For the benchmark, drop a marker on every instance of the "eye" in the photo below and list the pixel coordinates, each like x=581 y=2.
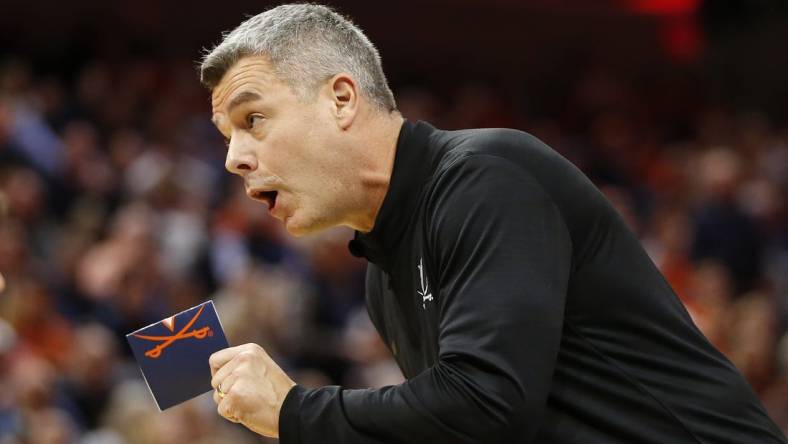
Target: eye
x=253 y=119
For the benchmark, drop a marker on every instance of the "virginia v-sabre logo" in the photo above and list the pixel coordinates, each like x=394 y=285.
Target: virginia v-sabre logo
x=166 y=341
x=425 y=293
x=173 y=353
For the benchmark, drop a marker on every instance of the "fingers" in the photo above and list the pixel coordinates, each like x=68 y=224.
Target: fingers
x=222 y=373
x=226 y=385
x=225 y=409
x=222 y=357
x=233 y=371
x=217 y=398
x=226 y=400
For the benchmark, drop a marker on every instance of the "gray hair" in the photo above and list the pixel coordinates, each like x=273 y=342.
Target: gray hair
x=307 y=44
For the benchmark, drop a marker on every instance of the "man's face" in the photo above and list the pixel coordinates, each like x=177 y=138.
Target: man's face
x=288 y=152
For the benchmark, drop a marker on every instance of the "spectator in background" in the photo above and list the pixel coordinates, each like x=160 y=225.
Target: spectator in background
x=722 y=230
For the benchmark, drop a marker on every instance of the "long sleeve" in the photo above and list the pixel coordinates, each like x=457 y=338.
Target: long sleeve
x=502 y=255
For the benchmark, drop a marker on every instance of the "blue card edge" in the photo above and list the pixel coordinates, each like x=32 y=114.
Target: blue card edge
x=210 y=301
x=155 y=400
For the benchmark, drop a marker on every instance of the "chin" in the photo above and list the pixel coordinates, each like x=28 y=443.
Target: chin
x=298 y=227
x=295 y=232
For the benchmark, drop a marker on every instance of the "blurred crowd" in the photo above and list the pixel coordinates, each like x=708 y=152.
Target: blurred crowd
x=115 y=212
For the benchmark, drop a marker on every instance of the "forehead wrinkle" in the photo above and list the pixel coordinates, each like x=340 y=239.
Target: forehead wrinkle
x=255 y=68
x=242 y=79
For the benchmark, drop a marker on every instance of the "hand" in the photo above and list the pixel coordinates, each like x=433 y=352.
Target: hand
x=249 y=387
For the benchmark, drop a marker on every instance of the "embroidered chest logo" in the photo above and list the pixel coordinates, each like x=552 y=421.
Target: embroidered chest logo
x=425 y=293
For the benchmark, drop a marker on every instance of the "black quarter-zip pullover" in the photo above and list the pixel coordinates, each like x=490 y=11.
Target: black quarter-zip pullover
x=521 y=309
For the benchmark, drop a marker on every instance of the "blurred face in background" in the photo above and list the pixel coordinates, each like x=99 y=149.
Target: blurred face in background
x=290 y=152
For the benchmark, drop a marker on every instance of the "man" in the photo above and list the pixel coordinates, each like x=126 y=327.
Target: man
x=513 y=297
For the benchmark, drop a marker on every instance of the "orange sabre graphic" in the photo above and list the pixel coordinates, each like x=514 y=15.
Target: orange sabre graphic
x=166 y=341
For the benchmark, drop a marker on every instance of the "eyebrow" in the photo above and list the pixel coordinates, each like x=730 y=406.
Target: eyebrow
x=241 y=98
x=238 y=100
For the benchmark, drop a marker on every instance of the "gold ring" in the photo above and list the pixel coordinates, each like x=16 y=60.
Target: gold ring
x=221 y=393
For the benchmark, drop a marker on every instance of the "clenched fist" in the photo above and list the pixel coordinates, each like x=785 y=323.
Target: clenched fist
x=249 y=387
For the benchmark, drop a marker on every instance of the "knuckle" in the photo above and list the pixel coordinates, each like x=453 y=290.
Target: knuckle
x=231 y=396
x=252 y=349
x=226 y=406
x=238 y=385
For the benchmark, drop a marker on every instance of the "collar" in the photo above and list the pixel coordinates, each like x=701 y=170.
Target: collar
x=414 y=163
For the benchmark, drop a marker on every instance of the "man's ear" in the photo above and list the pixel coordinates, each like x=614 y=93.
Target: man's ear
x=344 y=93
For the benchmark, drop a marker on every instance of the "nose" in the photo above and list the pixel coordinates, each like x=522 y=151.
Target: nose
x=240 y=162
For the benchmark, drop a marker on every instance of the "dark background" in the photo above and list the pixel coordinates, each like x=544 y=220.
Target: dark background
x=732 y=51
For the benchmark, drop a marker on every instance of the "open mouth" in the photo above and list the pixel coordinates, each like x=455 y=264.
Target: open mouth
x=269 y=197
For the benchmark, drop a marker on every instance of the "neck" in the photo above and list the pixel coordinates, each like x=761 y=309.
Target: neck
x=380 y=146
